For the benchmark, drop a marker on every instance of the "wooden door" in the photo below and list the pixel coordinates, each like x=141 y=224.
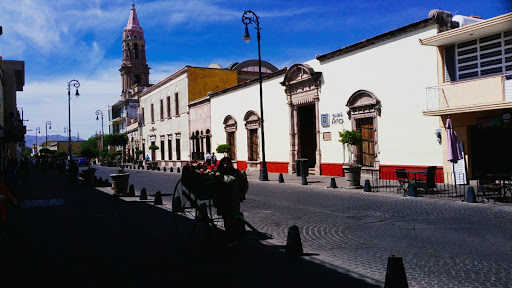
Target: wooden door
x=366 y=150
x=253 y=145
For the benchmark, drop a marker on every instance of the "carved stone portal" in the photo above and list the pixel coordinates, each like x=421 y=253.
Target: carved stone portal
x=302 y=87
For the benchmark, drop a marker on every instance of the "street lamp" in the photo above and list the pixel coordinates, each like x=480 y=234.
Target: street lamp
x=99 y=112
x=248 y=18
x=75 y=84
x=38 y=130
x=65 y=129
x=48 y=123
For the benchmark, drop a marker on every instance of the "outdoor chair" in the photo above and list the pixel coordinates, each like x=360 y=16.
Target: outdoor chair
x=428 y=184
x=488 y=188
x=403 y=180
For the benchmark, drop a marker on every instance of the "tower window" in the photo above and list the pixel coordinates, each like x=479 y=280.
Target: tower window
x=135 y=50
x=136 y=79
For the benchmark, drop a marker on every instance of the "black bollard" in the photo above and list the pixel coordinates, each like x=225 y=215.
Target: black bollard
x=411 y=190
x=178 y=170
x=304 y=180
x=333 y=184
x=143 y=194
x=165 y=169
x=470 y=195
x=157 y=168
x=131 y=191
x=158 y=198
x=395 y=273
x=147 y=167
x=170 y=169
x=293 y=242
x=367 y=186
x=281 y=178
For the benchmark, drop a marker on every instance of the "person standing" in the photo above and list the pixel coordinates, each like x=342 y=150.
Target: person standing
x=231 y=187
x=214 y=159
x=208 y=159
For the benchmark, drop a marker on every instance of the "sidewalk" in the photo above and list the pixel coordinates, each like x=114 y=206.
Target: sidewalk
x=91 y=239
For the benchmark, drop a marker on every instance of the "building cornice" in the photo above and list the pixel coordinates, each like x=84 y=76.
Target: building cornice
x=475 y=30
x=377 y=39
x=249 y=83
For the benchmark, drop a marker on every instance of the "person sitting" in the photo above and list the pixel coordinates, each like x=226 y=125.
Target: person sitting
x=231 y=187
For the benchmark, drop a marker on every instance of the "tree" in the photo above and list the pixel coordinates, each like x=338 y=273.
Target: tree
x=153 y=147
x=223 y=148
x=117 y=140
x=90 y=144
x=90 y=153
x=351 y=137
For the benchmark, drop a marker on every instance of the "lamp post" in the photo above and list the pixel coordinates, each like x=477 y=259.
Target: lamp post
x=65 y=129
x=38 y=130
x=48 y=123
x=247 y=18
x=99 y=112
x=75 y=84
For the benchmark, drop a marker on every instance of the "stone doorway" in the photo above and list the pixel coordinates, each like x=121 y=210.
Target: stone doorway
x=307 y=136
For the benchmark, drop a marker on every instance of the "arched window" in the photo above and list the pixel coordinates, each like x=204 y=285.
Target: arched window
x=230 y=128
x=135 y=50
x=252 y=124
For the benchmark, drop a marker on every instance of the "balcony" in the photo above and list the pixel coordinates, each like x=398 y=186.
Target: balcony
x=487 y=93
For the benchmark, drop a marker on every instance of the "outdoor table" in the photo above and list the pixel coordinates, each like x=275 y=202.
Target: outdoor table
x=505 y=181
x=417 y=174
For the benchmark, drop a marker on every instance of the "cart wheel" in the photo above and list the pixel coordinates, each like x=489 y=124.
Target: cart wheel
x=180 y=203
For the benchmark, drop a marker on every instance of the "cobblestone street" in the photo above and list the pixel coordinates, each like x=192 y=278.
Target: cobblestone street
x=443 y=242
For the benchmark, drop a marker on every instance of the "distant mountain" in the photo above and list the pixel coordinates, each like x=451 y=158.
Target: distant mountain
x=31 y=140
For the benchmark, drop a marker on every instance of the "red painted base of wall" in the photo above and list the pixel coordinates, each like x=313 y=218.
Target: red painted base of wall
x=332 y=169
x=387 y=172
x=277 y=167
x=241 y=165
x=272 y=167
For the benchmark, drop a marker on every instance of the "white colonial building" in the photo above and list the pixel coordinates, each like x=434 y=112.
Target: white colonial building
x=376 y=86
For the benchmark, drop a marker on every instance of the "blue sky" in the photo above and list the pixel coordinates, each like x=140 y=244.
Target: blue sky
x=61 y=40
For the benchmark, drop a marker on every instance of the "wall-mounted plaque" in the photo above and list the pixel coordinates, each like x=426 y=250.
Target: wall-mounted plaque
x=326 y=136
x=324 y=119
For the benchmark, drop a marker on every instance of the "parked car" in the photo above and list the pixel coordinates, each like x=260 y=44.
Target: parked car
x=83 y=161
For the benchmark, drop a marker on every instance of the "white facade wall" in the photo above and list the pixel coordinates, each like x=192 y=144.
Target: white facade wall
x=396 y=72
x=243 y=100
x=177 y=124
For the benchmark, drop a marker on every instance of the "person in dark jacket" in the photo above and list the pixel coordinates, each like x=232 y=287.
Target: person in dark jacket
x=232 y=186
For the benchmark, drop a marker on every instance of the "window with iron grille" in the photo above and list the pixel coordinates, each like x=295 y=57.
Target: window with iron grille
x=142 y=116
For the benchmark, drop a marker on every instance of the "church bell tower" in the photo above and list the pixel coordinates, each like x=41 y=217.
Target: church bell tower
x=134 y=69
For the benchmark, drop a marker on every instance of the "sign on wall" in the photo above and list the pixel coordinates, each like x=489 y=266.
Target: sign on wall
x=337 y=118
x=324 y=119
x=326 y=136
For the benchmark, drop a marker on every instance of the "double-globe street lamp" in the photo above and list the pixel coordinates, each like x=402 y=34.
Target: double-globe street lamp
x=75 y=84
x=247 y=18
x=48 y=123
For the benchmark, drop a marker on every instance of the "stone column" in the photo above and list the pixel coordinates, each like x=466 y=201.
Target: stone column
x=317 y=127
